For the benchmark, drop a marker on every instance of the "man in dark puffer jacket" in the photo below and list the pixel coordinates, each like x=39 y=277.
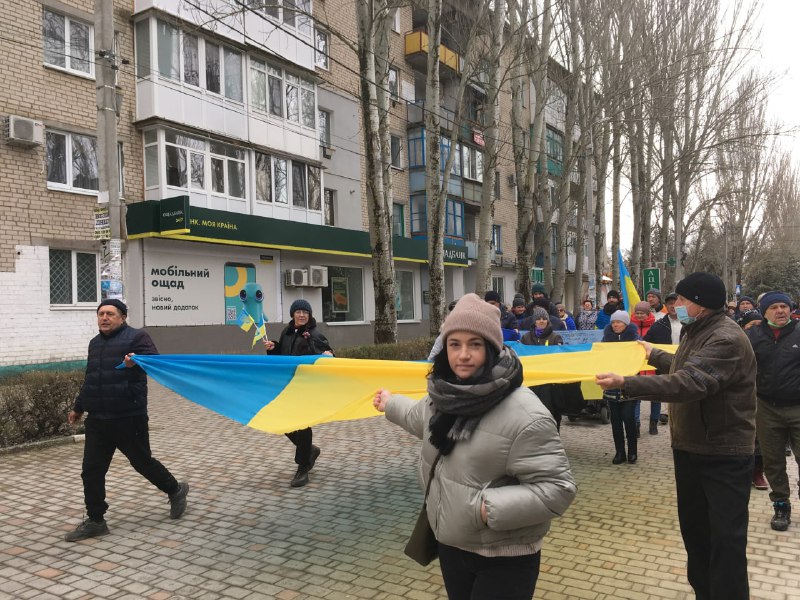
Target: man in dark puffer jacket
x=116 y=400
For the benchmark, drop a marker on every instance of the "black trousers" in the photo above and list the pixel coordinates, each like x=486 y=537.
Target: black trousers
x=129 y=435
x=713 y=493
x=470 y=576
x=623 y=425
x=302 y=441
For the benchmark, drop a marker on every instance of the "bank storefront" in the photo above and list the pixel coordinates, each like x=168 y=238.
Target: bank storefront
x=186 y=265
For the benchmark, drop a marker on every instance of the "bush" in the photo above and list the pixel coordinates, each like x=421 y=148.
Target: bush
x=35 y=405
x=416 y=349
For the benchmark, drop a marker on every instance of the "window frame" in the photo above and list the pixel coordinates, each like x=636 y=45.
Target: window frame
x=393 y=88
x=396 y=158
x=68 y=57
x=398 y=295
x=398 y=208
x=322 y=58
x=497 y=239
x=329 y=207
x=68 y=164
x=328 y=291
x=74 y=280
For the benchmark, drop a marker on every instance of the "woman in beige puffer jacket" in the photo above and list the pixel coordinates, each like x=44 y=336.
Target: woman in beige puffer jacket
x=503 y=473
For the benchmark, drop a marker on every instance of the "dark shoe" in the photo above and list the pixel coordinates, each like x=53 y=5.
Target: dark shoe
x=653 y=427
x=783 y=516
x=632 y=458
x=759 y=481
x=301 y=477
x=788 y=450
x=177 y=501
x=619 y=458
x=315 y=451
x=87 y=529
x=663 y=419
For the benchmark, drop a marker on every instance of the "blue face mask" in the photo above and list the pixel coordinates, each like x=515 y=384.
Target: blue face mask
x=683 y=315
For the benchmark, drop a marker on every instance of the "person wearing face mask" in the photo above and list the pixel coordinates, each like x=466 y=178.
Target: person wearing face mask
x=710 y=382
x=301 y=337
x=491 y=455
x=775 y=342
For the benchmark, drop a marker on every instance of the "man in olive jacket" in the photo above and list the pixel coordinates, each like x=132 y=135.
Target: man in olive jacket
x=116 y=400
x=710 y=382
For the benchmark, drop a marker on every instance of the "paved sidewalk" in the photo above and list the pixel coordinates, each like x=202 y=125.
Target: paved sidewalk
x=247 y=535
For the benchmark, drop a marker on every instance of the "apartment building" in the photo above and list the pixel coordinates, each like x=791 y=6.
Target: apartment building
x=241 y=160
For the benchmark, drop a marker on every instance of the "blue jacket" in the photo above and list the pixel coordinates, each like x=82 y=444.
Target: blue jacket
x=631 y=334
x=108 y=392
x=778 y=377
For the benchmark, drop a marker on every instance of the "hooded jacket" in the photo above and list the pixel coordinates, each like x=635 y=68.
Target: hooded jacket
x=778 y=361
x=631 y=334
x=548 y=338
x=108 y=392
x=711 y=383
x=604 y=314
x=514 y=462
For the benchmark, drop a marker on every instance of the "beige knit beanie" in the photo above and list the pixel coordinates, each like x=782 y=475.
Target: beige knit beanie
x=476 y=316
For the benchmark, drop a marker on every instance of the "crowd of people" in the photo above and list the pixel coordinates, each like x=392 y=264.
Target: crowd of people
x=492 y=459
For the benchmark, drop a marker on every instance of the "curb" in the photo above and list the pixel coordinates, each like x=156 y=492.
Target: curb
x=59 y=441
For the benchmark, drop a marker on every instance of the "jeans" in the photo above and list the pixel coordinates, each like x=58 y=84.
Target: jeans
x=623 y=424
x=470 y=576
x=713 y=493
x=655 y=411
x=129 y=435
x=302 y=441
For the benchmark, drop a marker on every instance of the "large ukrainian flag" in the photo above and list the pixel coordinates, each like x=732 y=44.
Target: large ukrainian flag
x=279 y=394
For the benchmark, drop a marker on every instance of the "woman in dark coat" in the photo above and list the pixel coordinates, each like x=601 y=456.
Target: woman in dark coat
x=301 y=338
x=623 y=412
x=542 y=334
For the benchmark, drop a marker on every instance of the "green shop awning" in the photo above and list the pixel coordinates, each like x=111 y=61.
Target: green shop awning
x=174 y=218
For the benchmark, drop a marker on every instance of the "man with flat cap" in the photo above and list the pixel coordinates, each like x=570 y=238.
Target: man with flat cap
x=711 y=383
x=116 y=401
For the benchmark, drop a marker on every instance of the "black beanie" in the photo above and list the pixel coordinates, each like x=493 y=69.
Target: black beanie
x=300 y=304
x=116 y=303
x=704 y=289
x=613 y=294
x=491 y=296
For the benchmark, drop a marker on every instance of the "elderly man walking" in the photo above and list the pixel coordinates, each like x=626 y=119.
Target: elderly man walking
x=710 y=382
x=776 y=343
x=116 y=400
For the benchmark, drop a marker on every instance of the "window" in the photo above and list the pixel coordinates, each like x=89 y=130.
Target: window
x=281 y=182
x=233 y=74
x=121 y=169
x=275 y=82
x=499 y=286
x=168 y=50
x=393 y=83
x=343 y=299
x=191 y=60
x=143 y=68
x=396 y=148
x=73 y=278
x=497 y=185
x=289 y=12
x=404 y=296
x=151 y=169
x=454 y=218
x=497 y=240
x=258 y=84
x=419 y=214
x=329 y=207
x=398 y=228
x=68 y=44
x=472 y=163
x=322 y=41
x=212 y=68
x=555 y=145
x=324 y=128
x=298 y=185
x=263 y=177
x=72 y=162
x=396 y=21
x=416 y=148
x=228 y=170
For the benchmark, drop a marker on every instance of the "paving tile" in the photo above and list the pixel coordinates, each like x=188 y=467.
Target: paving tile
x=247 y=535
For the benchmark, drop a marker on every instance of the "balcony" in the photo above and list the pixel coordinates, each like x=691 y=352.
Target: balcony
x=417 y=53
x=416 y=115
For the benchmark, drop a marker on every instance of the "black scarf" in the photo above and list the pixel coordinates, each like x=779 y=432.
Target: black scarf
x=459 y=405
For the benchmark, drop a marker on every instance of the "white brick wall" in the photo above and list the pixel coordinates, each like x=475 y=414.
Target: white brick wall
x=30 y=332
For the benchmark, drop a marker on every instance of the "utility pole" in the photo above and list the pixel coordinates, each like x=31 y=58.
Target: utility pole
x=111 y=279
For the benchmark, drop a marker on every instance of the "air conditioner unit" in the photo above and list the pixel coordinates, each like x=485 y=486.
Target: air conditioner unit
x=327 y=151
x=295 y=278
x=318 y=276
x=21 y=131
